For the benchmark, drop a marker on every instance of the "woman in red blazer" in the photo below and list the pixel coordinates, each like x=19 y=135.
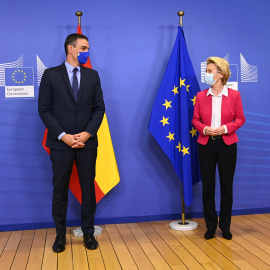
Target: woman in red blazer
x=218 y=113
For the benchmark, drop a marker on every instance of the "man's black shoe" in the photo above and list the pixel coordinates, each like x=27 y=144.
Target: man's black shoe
x=209 y=234
x=227 y=235
x=59 y=244
x=90 y=242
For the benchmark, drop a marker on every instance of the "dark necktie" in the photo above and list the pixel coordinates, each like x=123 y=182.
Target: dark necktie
x=75 y=86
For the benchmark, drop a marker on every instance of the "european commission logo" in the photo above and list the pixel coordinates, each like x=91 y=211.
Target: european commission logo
x=19 y=82
x=248 y=73
x=17 y=79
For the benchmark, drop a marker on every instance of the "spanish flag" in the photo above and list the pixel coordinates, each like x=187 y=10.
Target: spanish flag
x=107 y=175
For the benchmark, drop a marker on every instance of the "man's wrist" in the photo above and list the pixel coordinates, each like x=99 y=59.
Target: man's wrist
x=90 y=136
x=61 y=135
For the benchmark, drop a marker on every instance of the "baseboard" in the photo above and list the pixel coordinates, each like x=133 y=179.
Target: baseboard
x=130 y=219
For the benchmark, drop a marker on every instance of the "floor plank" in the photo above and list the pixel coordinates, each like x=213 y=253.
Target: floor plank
x=95 y=259
x=148 y=245
x=4 y=236
x=251 y=243
x=258 y=224
x=10 y=250
x=161 y=246
x=49 y=258
x=37 y=250
x=120 y=248
x=229 y=253
x=215 y=255
x=185 y=238
x=65 y=259
x=80 y=259
x=23 y=251
x=211 y=265
x=254 y=229
x=149 y=249
x=134 y=248
x=234 y=245
x=109 y=256
x=264 y=217
x=188 y=260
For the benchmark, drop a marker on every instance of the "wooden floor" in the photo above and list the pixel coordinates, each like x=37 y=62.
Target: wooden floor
x=150 y=245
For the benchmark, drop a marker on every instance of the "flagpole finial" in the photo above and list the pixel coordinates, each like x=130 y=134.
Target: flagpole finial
x=79 y=14
x=181 y=14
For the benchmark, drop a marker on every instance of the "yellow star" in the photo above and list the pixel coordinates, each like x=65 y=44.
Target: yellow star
x=167 y=104
x=194 y=99
x=170 y=136
x=185 y=150
x=179 y=146
x=164 y=121
x=175 y=90
x=193 y=132
x=182 y=82
x=188 y=87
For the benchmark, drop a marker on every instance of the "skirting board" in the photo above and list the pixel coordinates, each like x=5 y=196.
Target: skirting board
x=130 y=219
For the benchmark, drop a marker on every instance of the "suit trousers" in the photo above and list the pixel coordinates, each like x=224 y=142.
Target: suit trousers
x=62 y=164
x=214 y=153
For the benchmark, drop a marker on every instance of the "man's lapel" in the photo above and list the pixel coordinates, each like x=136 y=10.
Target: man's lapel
x=82 y=83
x=66 y=79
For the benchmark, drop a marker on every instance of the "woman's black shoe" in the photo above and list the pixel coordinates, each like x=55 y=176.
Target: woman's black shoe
x=227 y=235
x=209 y=235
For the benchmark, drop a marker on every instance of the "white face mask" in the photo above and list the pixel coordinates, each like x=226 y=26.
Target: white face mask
x=209 y=79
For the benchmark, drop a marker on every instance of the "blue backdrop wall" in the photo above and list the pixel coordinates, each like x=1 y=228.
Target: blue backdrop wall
x=131 y=42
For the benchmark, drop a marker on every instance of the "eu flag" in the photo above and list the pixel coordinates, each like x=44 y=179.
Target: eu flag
x=170 y=121
x=19 y=76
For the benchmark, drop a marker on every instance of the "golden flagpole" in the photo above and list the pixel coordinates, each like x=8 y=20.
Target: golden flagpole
x=79 y=14
x=183 y=225
x=78 y=231
x=181 y=14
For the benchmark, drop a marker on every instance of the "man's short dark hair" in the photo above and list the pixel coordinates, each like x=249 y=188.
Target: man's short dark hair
x=71 y=39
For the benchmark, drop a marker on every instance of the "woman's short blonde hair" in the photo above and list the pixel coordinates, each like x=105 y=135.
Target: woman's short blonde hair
x=222 y=67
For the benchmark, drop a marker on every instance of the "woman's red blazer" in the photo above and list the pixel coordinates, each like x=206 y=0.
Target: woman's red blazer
x=232 y=115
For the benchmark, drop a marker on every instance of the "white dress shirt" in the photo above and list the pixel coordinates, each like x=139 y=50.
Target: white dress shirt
x=216 y=108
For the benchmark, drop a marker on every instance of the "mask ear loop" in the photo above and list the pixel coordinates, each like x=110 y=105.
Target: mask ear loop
x=77 y=51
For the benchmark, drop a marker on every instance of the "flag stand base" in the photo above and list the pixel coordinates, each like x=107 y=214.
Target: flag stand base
x=78 y=231
x=188 y=226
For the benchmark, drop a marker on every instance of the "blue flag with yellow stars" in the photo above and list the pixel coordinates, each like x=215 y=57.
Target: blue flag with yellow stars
x=172 y=112
x=19 y=76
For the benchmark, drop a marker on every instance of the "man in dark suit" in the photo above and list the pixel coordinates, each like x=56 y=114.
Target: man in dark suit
x=71 y=106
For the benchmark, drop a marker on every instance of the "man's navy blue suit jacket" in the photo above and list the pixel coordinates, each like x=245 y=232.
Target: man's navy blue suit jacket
x=59 y=111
